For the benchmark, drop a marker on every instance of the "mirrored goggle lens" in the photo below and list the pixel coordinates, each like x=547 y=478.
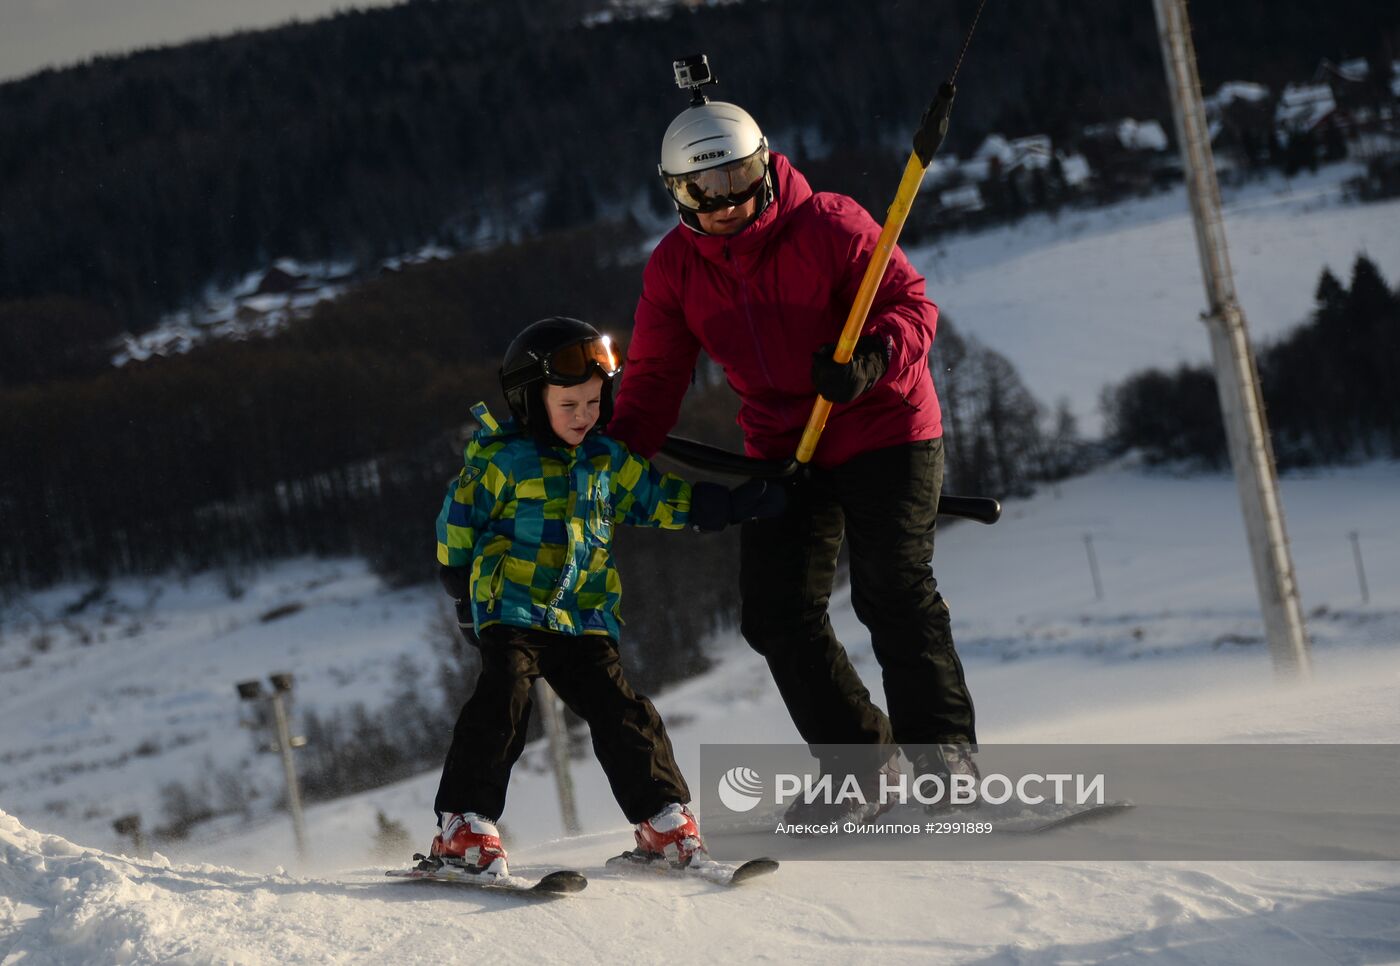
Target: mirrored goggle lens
x=576 y=363
x=722 y=187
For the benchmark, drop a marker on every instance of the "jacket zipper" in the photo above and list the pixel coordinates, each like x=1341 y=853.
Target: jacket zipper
x=753 y=329
x=572 y=517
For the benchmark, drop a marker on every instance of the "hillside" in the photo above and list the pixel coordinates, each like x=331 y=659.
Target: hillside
x=1171 y=655
x=134 y=183
x=1087 y=298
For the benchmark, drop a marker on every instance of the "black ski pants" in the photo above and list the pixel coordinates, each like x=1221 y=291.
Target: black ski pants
x=885 y=503
x=628 y=736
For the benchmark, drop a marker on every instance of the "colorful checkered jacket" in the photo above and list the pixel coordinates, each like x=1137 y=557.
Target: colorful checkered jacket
x=534 y=524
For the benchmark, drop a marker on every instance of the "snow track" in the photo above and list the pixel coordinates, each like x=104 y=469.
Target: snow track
x=61 y=904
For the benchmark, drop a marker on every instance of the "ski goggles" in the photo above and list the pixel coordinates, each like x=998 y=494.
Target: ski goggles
x=569 y=365
x=726 y=186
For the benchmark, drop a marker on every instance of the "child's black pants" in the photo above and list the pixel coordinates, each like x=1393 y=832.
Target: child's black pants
x=628 y=735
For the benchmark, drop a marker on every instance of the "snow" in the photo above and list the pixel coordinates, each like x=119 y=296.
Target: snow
x=238 y=311
x=1075 y=168
x=89 y=907
x=1302 y=107
x=1133 y=134
x=102 y=704
x=994 y=146
x=1085 y=298
x=1172 y=654
x=1232 y=91
x=965 y=198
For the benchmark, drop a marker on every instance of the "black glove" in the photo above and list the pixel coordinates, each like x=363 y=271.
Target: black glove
x=841 y=384
x=756 y=500
x=713 y=507
x=457 y=581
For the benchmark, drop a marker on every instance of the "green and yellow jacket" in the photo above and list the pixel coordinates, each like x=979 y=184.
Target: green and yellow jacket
x=534 y=524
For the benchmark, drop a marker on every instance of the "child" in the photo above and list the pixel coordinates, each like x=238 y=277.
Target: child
x=525 y=543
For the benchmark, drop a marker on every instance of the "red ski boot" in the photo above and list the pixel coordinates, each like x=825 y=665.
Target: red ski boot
x=673 y=834
x=472 y=842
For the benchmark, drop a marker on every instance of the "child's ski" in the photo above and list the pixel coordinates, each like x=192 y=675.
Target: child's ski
x=1076 y=815
x=720 y=873
x=558 y=883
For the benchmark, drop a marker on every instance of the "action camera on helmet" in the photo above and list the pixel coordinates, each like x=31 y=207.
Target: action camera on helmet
x=713 y=156
x=693 y=73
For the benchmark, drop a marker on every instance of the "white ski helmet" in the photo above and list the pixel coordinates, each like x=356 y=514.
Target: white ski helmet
x=714 y=156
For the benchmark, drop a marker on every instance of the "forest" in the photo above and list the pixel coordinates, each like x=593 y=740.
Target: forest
x=129 y=184
x=1329 y=388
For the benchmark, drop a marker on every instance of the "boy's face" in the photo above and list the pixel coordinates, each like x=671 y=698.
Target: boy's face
x=573 y=410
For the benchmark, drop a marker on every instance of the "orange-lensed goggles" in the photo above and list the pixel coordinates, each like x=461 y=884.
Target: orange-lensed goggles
x=725 y=186
x=569 y=365
x=576 y=363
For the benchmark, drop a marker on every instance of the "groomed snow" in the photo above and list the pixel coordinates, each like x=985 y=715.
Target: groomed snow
x=1171 y=654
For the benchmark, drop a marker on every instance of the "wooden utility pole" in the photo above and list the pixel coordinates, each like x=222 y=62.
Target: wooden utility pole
x=1236 y=377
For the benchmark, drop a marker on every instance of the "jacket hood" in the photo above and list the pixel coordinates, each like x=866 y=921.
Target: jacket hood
x=489 y=429
x=791 y=190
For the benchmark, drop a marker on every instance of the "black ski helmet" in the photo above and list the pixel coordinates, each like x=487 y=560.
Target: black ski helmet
x=560 y=351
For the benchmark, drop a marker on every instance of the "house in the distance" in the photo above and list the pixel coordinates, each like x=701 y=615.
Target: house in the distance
x=1127 y=156
x=1304 y=109
x=1005 y=176
x=1240 y=117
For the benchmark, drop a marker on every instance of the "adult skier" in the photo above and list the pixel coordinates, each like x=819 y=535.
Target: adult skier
x=760 y=273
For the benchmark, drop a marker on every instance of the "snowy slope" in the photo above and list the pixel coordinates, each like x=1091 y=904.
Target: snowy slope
x=68 y=905
x=1157 y=660
x=1086 y=298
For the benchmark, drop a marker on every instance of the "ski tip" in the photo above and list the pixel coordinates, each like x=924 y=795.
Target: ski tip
x=1086 y=815
x=563 y=881
x=752 y=869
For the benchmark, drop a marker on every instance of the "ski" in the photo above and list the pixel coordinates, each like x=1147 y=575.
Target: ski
x=720 y=873
x=1009 y=819
x=1029 y=820
x=553 y=884
x=1084 y=813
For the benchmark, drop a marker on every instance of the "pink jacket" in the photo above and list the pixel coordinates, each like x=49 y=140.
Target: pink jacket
x=760 y=303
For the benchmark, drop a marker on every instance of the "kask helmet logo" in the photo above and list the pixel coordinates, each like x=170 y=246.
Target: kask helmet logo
x=740 y=789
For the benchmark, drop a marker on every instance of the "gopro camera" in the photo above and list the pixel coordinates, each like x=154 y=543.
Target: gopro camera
x=693 y=73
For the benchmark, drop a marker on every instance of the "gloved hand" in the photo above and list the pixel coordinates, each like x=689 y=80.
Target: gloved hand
x=457 y=581
x=713 y=507
x=842 y=383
